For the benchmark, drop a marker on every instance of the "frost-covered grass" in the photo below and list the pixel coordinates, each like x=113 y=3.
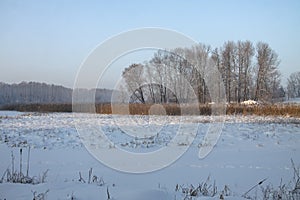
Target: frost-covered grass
x=250 y=149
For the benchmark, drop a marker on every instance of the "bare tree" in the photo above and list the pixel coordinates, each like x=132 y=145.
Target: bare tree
x=228 y=68
x=267 y=77
x=159 y=65
x=171 y=72
x=245 y=53
x=182 y=75
x=293 y=87
x=199 y=56
x=149 y=76
x=134 y=79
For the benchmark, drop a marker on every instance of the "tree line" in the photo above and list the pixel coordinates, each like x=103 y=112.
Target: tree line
x=42 y=93
x=246 y=71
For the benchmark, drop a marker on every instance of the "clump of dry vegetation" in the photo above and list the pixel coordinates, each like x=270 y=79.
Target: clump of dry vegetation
x=205 y=188
x=285 y=191
x=12 y=175
x=91 y=179
x=39 y=196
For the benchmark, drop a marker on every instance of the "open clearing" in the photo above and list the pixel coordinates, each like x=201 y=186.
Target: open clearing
x=250 y=149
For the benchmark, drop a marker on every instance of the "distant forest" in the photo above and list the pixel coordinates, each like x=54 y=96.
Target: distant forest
x=42 y=93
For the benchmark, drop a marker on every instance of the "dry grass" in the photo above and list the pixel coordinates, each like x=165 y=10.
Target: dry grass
x=265 y=110
x=291 y=110
x=39 y=107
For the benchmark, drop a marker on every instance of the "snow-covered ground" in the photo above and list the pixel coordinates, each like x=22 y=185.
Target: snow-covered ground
x=250 y=149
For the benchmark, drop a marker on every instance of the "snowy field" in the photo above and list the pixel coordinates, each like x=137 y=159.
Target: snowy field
x=249 y=150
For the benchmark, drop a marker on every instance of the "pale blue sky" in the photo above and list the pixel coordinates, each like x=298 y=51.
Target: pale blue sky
x=48 y=40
